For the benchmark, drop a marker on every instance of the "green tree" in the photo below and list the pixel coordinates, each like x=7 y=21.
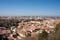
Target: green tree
x=43 y=36
x=57 y=30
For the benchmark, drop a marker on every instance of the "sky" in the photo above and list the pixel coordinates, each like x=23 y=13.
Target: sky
x=29 y=7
